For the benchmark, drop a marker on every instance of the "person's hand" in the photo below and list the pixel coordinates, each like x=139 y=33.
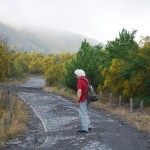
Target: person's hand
x=78 y=104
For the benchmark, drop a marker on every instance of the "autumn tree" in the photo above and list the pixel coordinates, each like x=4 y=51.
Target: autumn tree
x=35 y=63
x=18 y=64
x=129 y=73
x=144 y=42
x=54 y=67
x=4 y=62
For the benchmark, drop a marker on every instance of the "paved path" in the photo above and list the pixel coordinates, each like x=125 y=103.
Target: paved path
x=60 y=122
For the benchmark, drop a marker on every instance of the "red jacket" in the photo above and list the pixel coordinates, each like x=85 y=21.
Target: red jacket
x=81 y=84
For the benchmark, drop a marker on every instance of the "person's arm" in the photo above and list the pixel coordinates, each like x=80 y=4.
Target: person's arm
x=79 y=92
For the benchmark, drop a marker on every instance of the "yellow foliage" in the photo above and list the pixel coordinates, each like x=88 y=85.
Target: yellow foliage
x=54 y=67
x=113 y=80
x=35 y=64
x=4 y=62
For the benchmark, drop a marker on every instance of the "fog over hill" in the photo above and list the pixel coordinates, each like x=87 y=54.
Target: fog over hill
x=46 y=41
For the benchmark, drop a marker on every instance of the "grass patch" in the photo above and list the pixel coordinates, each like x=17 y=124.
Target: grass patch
x=19 y=121
x=13 y=81
x=1 y=115
x=63 y=91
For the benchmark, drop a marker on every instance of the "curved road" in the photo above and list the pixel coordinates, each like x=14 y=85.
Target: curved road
x=60 y=122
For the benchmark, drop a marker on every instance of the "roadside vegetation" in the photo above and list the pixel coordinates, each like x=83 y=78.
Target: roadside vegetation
x=13 y=116
x=122 y=67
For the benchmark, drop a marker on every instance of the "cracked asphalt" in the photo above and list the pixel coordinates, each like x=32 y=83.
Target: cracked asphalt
x=58 y=123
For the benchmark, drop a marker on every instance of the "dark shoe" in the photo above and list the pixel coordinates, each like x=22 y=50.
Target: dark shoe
x=89 y=129
x=82 y=131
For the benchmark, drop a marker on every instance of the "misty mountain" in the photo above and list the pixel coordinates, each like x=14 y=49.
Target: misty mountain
x=46 y=41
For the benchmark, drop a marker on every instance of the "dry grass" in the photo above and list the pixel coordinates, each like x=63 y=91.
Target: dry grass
x=20 y=118
x=62 y=91
x=137 y=119
x=12 y=81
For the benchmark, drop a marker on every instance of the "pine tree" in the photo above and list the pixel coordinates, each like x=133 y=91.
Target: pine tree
x=88 y=59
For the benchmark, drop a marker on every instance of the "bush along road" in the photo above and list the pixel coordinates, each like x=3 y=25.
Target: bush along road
x=54 y=124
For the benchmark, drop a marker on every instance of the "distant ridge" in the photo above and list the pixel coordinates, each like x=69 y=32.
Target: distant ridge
x=48 y=42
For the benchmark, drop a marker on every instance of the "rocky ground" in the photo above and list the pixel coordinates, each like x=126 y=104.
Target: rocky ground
x=54 y=125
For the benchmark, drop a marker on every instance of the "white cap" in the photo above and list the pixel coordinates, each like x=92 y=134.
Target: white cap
x=79 y=72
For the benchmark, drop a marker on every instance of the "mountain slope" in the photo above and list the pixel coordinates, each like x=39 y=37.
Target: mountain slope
x=51 y=41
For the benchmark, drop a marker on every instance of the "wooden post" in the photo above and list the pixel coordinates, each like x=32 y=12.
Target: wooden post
x=0 y=105
x=110 y=98
x=141 y=106
x=131 y=105
x=101 y=96
x=11 y=108
x=120 y=100
x=8 y=100
x=2 y=100
x=5 y=99
x=5 y=124
x=11 y=117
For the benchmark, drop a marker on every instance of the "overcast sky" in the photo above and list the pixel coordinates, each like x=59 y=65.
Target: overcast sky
x=99 y=19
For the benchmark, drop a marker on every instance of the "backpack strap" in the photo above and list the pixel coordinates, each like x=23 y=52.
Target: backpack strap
x=87 y=85
x=85 y=81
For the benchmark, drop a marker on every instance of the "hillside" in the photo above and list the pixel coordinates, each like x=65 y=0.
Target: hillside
x=51 y=41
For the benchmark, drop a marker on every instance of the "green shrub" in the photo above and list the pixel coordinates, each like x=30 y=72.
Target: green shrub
x=145 y=98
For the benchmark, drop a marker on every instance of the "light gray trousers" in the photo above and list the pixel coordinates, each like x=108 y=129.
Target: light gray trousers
x=83 y=113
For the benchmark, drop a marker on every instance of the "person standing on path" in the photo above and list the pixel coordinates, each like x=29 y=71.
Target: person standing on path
x=82 y=103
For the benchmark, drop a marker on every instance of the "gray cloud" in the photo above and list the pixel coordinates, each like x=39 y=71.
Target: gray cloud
x=100 y=19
